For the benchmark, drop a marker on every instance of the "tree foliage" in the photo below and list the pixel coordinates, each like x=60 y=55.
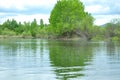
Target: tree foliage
x=10 y=24
x=113 y=29
x=67 y=15
x=33 y=27
x=12 y=27
x=41 y=23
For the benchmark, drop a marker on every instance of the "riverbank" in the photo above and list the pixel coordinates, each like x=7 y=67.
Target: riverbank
x=7 y=37
x=38 y=37
x=73 y=38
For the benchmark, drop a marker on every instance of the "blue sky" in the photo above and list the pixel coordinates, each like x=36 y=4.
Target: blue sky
x=26 y=10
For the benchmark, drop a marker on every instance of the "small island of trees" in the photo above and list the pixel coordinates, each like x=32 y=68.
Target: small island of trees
x=68 y=20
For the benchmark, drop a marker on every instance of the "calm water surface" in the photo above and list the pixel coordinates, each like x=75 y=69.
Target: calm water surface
x=35 y=59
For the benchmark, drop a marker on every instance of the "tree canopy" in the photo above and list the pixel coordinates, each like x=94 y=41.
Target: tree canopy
x=67 y=15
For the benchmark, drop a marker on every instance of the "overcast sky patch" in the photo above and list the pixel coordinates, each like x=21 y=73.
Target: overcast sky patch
x=102 y=10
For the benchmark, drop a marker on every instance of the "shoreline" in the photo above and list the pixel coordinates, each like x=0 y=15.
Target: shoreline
x=30 y=37
x=49 y=38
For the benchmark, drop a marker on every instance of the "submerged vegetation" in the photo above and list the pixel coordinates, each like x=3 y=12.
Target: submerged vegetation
x=68 y=20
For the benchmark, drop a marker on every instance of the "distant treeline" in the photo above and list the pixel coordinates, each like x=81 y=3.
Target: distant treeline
x=69 y=20
x=26 y=29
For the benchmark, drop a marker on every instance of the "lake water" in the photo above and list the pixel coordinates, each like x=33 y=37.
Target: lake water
x=35 y=59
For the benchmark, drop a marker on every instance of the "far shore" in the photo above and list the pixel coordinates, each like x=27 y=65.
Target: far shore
x=75 y=38
x=6 y=36
x=30 y=37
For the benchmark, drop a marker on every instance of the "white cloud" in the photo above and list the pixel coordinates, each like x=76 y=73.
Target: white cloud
x=21 y=4
x=102 y=19
x=1 y=13
x=97 y=9
x=28 y=18
x=102 y=10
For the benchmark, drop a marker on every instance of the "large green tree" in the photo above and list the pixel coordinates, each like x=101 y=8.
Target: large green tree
x=66 y=15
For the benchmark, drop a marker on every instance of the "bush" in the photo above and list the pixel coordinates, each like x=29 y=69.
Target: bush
x=115 y=38
x=26 y=34
x=8 y=32
x=98 y=38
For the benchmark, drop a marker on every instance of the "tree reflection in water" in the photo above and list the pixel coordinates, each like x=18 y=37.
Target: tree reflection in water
x=69 y=58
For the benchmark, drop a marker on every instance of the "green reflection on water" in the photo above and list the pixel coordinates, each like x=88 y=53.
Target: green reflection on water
x=21 y=47
x=69 y=58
